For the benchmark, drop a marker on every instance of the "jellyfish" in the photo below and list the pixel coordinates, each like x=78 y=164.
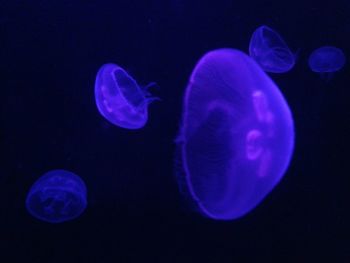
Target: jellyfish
x=57 y=196
x=120 y=99
x=326 y=60
x=236 y=137
x=270 y=51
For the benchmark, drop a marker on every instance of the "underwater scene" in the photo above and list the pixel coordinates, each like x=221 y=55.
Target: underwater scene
x=175 y=131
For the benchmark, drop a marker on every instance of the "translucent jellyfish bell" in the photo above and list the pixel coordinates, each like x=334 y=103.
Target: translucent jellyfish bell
x=237 y=135
x=326 y=59
x=270 y=51
x=57 y=196
x=120 y=99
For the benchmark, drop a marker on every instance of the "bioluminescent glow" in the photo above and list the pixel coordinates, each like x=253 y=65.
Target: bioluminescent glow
x=326 y=59
x=237 y=135
x=120 y=99
x=57 y=196
x=270 y=51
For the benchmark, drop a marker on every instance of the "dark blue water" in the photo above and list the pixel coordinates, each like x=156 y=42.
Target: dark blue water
x=50 y=52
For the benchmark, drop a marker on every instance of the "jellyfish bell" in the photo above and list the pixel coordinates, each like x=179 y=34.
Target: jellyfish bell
x=271 y=52
x=120 y=99
x=237 y=135
x=326 y=61
x=57 y=196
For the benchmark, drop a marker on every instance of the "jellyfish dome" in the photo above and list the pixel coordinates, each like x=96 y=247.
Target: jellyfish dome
x=326 y=59
x=57 y=196
x=237 y=135
x=270 y=51
x=120 y=99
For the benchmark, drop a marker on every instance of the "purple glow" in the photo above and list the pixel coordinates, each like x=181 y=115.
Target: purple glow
x=57 y=196
x=326 y=59
x=237 y=134
x=120 y=99
x=270 y=51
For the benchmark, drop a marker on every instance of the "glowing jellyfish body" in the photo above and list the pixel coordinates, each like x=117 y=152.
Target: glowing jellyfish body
x=237 y=135
x=57 y=196
x=326 y=59
x=270 y=51
x=120 y=99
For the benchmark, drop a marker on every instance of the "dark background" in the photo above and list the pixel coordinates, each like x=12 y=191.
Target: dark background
x=50 y=52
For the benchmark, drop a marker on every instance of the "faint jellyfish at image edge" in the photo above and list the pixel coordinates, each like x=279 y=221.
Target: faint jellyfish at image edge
x=327 y=60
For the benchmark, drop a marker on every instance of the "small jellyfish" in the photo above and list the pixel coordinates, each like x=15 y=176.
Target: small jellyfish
x=236 y=138
x=57 y=196
x=120 y=99
x=270 y=51
x=326 y=60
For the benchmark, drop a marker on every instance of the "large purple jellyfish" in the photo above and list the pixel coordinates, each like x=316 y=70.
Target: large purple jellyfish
x=237 y=134
x=120 y=99
x=57 y=196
